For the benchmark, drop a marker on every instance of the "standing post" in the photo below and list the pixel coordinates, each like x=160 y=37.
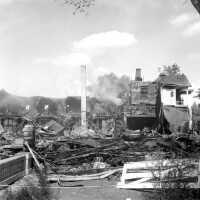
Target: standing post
x=125 y=119
x=83 y=97
x=34 y=157
x=190 y=111
x=27 y=164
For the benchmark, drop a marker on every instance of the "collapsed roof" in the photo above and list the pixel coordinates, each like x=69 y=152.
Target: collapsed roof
x=54 y=126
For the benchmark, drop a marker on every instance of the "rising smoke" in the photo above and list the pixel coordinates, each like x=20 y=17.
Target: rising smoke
x=104 y=96
x=111 y=88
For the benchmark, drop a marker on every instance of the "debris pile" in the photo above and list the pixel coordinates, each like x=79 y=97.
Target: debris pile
x=9 y=146
x=85 y=156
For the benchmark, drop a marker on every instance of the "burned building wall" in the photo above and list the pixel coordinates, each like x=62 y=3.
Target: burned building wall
x=141 y=111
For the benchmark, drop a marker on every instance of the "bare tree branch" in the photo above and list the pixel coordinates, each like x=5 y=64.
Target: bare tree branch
x=196 y=4
x=80 y=5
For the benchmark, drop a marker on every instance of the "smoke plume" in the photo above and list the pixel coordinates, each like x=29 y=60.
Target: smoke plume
x=111 y=88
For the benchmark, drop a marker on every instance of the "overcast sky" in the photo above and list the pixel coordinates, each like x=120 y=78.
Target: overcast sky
x=42 y=44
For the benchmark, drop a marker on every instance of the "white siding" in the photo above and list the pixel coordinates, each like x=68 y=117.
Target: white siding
x=168 y=96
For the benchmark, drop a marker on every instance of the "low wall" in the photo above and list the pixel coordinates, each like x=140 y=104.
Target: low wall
x=14 y=168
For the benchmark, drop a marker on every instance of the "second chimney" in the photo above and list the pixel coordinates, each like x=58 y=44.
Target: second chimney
x=138 y=74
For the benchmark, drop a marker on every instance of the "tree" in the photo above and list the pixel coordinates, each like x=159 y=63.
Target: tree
x=80 y=5
x=83 y=5
x=171 y=69
x=196 y=4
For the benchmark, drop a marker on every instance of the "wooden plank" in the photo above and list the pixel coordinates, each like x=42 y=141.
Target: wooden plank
x=141 y=183
x=66 y=178
x=141 y=174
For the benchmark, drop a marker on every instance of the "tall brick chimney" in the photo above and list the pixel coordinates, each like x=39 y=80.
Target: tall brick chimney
x=83 y=97
x=138 y=74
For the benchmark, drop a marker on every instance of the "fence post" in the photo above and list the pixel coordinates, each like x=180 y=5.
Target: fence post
x=27 y=163
x=123 y=177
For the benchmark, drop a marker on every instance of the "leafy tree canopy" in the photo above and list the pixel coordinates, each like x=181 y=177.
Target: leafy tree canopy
x=83 y=5
x=80 y=5
x=170 y=69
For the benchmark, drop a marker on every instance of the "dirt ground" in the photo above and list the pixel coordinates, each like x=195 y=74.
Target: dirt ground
x=87 y=190
x=95 y=190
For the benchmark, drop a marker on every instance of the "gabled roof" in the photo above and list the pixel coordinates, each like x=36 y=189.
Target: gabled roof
x=174 y=80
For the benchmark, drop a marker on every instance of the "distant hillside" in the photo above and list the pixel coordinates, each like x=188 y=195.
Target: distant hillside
x=13 y=104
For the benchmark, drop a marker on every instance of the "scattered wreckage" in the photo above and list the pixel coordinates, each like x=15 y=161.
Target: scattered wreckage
x=108 y=147
x=91 y=158
x=73 y=158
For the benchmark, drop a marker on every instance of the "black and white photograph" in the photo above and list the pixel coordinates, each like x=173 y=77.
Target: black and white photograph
x=99 y=99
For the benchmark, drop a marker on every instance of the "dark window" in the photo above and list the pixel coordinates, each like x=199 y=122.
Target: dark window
x=144 y=91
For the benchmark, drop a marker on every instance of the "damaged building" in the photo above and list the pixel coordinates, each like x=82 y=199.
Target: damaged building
x=162 y=103
x=12 y=123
